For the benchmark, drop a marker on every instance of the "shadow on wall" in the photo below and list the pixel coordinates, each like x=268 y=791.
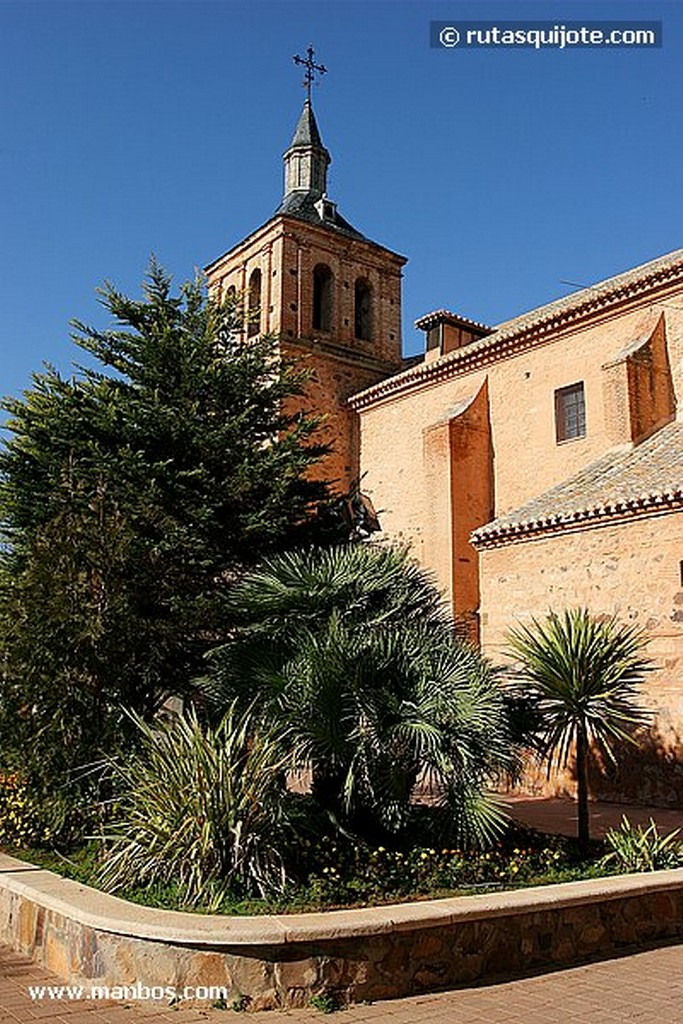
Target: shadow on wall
x=650 y=773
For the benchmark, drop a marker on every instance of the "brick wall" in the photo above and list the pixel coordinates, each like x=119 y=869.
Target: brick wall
x=286 y=252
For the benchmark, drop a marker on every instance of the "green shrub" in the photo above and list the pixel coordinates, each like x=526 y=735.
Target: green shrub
x=31 y=817
x=352 y=647
x=326 y=1002
x=336 y=871
x=203 y=808
x=637 y=848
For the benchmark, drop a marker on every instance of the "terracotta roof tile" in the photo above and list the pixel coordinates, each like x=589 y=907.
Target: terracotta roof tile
x=643 y=477
x=439 y=315
x=525 y=329
x=593 y=293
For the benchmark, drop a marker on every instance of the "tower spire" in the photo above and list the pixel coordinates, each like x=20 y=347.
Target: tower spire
x=307 y=160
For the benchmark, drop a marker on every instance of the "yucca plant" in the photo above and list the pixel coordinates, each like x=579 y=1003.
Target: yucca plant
x=639 y=848
x=584 y=674
x=202 y=807
x=352 y=649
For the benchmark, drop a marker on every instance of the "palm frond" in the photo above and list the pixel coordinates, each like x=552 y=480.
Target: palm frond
x=351 y=648
x=582 y=674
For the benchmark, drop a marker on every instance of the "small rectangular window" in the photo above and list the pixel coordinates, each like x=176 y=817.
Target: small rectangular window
x=570 y=412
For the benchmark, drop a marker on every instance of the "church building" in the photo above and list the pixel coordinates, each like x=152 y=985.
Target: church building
x=540 y=466
x=531 y=465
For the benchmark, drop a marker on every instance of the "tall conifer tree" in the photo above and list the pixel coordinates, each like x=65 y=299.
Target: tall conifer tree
x=131 y=494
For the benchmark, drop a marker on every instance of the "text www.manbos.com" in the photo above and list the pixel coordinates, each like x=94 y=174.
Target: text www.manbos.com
x=68 y=993
x=544 y=34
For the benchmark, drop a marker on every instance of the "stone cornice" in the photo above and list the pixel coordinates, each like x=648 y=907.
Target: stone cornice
x=645 y=506
x=281 y=224
x=342 y=353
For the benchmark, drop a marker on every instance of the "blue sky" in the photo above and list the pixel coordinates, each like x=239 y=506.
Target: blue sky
x=136 y=127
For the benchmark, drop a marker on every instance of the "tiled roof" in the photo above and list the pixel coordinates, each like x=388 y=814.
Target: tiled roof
x=647 y=477
x=523 y=330
x=439 y=315
x=591 y=295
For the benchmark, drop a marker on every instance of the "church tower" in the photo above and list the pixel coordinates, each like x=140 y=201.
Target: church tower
x=331 y=296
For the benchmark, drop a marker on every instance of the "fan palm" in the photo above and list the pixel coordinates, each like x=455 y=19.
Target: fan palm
x=351 y=649
x=584 y=673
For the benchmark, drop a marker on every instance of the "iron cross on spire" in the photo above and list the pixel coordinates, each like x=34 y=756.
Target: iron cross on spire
x=311 y=68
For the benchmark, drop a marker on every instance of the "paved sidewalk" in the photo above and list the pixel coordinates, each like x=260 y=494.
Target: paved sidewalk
x=644 y=988
x=559 y=816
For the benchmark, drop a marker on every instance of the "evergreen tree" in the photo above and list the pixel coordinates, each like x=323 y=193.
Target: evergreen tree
x=131 y=496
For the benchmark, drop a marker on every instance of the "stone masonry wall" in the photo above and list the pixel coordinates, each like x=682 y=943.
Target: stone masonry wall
x=631 y=569
x=357 y=955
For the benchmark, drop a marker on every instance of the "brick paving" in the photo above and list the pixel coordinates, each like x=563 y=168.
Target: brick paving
x=643 y=987
x=551 y=814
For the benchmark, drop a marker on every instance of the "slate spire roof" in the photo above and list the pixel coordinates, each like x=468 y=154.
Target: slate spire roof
x=306 y=162
x=306 y=132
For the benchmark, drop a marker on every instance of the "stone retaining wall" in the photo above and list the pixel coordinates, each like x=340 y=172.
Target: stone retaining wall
x=90 y=938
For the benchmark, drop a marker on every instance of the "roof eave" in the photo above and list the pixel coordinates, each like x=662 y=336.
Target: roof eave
x=507 y=339
x=631 y=508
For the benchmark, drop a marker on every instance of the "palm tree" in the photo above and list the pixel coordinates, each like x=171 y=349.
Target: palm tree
x=352 y=650
x=583 y=674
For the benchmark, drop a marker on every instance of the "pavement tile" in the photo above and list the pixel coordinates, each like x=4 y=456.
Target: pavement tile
x=78 y=1016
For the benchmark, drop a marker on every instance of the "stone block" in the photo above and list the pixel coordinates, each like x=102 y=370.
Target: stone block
x=208 y=969
x=250 y=975
x=28 y=914
x=56 y=954
x=297 y=974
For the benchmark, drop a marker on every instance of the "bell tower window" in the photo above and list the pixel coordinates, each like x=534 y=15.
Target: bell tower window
x=254 y=307
x=322 y=298
x=363 y=310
